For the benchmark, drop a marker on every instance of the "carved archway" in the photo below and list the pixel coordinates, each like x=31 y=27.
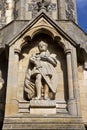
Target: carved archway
x=45 y=30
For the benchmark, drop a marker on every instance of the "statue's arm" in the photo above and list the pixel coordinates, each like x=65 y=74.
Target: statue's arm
x=50 y=59
x=33 y=59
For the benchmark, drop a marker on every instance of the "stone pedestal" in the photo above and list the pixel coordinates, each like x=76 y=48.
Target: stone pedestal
x=42 y=107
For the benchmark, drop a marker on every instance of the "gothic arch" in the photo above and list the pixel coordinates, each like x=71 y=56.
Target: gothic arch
x=51 y=32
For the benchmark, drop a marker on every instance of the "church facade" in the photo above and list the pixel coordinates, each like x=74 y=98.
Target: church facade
x=43 y=66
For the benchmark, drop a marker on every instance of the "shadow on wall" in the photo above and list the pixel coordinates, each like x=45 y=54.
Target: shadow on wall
x=86 y=127
x=3 y=84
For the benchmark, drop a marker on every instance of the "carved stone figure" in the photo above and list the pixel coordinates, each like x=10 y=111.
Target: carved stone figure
x=43 y=74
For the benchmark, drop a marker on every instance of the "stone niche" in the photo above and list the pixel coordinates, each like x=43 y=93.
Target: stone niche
x=58 y=77
x=49 y=108
x=58 y=102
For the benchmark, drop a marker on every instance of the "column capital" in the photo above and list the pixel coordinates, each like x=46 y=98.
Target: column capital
x=17 y=51
x=67 y=51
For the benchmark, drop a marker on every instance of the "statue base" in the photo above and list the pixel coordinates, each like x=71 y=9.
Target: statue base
x=42 y=107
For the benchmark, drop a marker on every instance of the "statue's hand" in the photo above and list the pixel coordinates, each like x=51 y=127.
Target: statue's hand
x=32 y=59
x=44 y=58
x=36 y=63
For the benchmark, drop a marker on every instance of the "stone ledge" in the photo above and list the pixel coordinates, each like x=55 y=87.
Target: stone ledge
x=43 y=103
x=43 y=123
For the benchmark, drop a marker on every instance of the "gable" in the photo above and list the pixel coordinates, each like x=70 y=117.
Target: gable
x=41 y=23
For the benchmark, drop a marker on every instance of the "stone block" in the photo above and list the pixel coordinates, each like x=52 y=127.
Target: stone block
x=11 y=108
x=42 y=107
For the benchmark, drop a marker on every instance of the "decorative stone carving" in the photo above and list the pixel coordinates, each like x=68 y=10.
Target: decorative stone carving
x=3 y=7
x=41 y=80
x=42 y=103
x=70 y=10
x=41 y=4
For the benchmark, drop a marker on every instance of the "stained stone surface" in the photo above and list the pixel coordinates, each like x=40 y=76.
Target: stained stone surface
x=43 y=103
x=70 y=10
x=19 y=41
x=6 y=12
x=26 y=10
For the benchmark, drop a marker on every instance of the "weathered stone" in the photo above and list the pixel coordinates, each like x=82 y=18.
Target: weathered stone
x=42 y=103
x=62 y=51
x=43 y=122
x=42 y=107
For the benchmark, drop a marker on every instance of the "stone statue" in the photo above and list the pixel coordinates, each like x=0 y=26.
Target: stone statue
x=1 y=80
x=43 y=73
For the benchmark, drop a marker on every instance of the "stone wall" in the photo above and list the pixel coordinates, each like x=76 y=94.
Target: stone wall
x=6 y=12
x=82 y=76
x=26 y=10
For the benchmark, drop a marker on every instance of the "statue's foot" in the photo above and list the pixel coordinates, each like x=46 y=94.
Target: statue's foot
x=46 y=98
x=37 y=98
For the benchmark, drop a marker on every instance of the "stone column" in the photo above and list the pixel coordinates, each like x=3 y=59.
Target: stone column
x=75 y=81
x=61 y=8
x=17 y=53
x=10 y=11
x=71 y=102
x=85 y=62
x=11 y=97
x=55 y=10
x=21 y=8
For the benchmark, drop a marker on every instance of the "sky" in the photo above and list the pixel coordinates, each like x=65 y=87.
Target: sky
x=82 y=14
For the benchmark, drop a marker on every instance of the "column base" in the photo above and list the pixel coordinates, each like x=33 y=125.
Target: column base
x=72 y=108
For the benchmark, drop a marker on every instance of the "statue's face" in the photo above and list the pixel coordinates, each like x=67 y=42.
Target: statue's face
x=42 y=46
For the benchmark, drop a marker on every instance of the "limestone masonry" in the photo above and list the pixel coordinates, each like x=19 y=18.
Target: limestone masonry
x=43 y=66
